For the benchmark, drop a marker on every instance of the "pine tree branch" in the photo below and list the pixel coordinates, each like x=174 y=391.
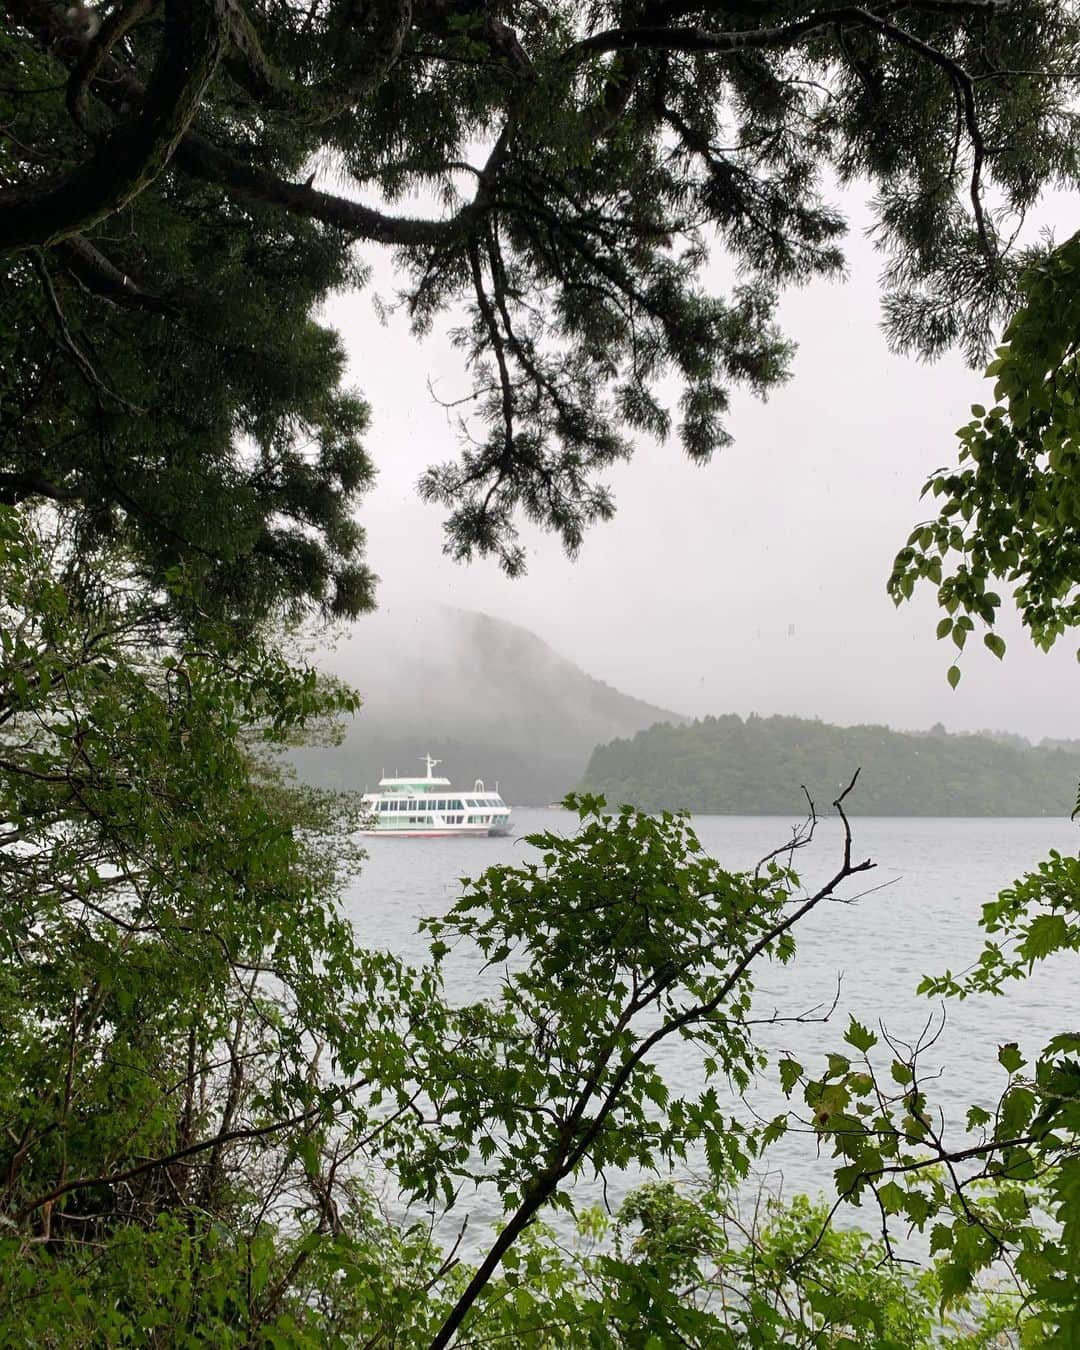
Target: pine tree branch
x=121 y=21
x=818 y=23
x=128 y=159
x=89 y=266
x=67 y=341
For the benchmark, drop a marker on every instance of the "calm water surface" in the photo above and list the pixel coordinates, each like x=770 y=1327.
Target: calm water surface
x=940 y=872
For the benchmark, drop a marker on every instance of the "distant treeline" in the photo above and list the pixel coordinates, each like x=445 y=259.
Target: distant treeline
x=727 y=766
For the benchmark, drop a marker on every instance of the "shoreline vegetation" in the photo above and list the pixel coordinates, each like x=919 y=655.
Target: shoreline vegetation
x=728 y=766
x=229 y=1117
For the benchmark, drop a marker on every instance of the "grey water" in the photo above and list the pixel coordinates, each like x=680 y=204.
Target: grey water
x=932 y=877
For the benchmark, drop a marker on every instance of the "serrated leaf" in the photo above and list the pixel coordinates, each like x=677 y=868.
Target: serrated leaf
x=1009 y=1056
x=1047 y=933
x=862 y=1038
x=917 y=1207
x=891 y=1196
x=941 y=1238
x=790 y=1073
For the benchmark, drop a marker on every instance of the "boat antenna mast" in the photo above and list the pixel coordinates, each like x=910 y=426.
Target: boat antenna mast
x=431 y=763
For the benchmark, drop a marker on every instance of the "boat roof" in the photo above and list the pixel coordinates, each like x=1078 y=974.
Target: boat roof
x=427 y=783
x=414 y=782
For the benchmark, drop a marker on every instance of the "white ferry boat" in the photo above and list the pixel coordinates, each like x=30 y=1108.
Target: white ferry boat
x=422 y=807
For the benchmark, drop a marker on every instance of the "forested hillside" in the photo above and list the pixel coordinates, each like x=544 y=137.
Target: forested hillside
x=727 y=766
x=488 y=698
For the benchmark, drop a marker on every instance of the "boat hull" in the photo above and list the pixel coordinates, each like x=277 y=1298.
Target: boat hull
x=435 y=832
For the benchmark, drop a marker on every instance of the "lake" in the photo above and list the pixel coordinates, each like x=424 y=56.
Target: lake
x=939 y=874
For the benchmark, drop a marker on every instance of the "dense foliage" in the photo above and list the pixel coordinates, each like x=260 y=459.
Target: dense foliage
x=206 y=1084
x=1002 y=1193
x=1010 y=511
x=727 y=766
x=165 y=240
x=206 y=434
x=201 y=1064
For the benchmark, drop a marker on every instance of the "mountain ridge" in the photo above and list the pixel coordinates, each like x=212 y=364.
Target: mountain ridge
x=488 y=697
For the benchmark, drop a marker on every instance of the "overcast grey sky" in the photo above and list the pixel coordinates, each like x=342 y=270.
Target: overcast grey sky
x=756 y=583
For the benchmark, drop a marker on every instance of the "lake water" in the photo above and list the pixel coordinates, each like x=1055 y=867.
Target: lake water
x=940 y=873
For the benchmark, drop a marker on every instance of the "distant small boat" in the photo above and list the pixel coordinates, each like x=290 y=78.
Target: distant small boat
x=428 y=807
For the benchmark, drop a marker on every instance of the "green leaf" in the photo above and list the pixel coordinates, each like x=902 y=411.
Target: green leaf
x=790 y=1073
x=917 y=1207
x=953 y=676
x=1046 y=934
x=891 y=1196
x=941 y=1238
x=862 y=1038
x=995 y=644
x=1009 y=1057
x=956 y=1279
x=308 y=1149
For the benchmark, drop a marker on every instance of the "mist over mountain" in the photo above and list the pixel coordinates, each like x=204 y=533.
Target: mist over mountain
x=489 y=699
